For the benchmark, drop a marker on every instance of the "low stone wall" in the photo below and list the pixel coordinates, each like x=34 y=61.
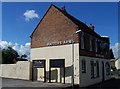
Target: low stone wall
x=20 y=70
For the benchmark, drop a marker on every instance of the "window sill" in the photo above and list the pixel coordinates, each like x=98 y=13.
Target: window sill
x=107 y=74
x=94 y=77
x=84 y=72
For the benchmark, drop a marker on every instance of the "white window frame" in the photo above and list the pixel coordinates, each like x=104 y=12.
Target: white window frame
x=91 y=43
x=92 y=68
x=96 y=68
x=107 y=65
x=96 y=46
x=83 y=66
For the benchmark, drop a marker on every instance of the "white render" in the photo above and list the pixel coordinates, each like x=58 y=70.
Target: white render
x=21 y=70
x=58 y=52
x=85 y=78
x=65 y=52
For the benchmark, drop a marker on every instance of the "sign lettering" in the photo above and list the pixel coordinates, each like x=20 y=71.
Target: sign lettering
x=59 y=43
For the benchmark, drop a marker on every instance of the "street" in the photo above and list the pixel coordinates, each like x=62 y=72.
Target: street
x=24 y=84
x=113 y=83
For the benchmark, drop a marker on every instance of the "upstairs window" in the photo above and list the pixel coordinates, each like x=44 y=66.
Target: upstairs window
x=104 y=47
x=83 y=66
x=82 y=40
x=96 y=46
x=91 y=43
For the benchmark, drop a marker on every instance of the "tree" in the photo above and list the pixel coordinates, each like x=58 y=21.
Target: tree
x=23 y=56
x=9 y=55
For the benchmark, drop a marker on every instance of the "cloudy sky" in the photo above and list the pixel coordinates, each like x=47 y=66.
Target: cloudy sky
x=20 y=19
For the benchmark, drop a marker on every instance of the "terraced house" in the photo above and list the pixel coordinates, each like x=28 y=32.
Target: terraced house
x=52 y=52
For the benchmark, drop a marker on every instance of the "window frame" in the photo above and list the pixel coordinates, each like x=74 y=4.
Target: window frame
x=96 y=45
x=91 y=43
x=107 y=67
x=97 y=68
x=83 y=66
x=92 y=68
x=82 y=41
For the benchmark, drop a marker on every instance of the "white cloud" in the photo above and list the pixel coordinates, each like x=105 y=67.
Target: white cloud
x=30 y=14
x=21 y=49
x=116 y=50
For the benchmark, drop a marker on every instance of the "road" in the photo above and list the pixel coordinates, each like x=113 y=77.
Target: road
x=113 y=83
x=24 y=84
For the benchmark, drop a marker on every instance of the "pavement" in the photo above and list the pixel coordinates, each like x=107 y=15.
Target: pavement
x=24 y=84
x=113 y=83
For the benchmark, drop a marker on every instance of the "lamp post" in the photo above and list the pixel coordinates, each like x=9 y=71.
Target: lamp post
x=73 y=56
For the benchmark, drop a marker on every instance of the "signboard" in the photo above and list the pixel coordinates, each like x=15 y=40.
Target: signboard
x=56 y=63
x=59 y=43
x=38 y=63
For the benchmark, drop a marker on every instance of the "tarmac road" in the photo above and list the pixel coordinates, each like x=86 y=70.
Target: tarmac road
x=24 y=84
x=113 y=83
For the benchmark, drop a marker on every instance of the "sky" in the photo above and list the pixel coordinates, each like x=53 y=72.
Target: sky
x=20 y=19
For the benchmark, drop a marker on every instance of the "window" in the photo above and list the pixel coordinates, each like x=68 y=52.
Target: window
x=97 y=68
x=101 y=48
x=82 y=40
x=107 y=47
x=107 y=65
x=96 y=46
x=83 y=66
x=90 y=43
x=92 y=69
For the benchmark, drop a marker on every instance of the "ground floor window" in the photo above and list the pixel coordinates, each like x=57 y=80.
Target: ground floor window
x=107 y=66
x=83 y=66
x=92 y=69
x=96 y=66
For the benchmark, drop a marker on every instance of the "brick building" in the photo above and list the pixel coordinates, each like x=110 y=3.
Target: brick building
x=51 y=50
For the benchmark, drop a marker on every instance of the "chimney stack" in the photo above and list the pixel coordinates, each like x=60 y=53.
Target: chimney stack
x=63 y=8
x=91 y=27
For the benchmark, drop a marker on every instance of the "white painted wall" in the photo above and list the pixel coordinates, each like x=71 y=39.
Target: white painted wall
x=65 y=52
x=21 y=70
x=85 y=78
x=58 y=52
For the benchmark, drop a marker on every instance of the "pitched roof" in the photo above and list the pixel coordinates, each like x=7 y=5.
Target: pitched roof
x=80 y=24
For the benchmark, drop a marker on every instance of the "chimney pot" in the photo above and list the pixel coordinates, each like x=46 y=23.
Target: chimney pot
x=91 y=27
x=63 y=8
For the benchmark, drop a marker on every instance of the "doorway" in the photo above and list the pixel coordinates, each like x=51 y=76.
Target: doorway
x=38 y=64
x=53 y=74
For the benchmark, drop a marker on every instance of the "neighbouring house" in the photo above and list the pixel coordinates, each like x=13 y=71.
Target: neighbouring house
x=52 y=54
x=117 y=63
x=112 y=62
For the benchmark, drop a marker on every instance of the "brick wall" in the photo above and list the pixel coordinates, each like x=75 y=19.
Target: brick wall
x=54 y=27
